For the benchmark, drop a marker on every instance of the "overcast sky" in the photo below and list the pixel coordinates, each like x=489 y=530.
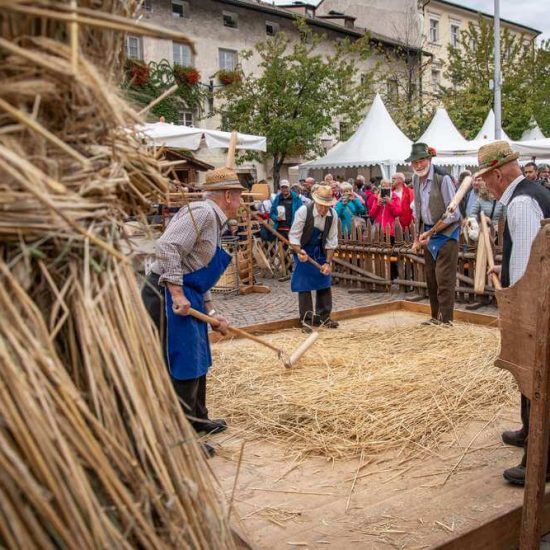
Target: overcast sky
x=533 y=13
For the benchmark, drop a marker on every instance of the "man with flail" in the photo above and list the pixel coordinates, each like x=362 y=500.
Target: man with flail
x=527 y=203
x=189 y=262
x=433 y=191
x=314 y=233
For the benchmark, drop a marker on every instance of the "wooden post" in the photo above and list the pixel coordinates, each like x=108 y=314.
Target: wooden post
x=539 y=421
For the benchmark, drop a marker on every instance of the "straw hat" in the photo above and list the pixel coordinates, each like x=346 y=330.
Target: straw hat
x=493 y=155
x=323 y=196
x=221 y=179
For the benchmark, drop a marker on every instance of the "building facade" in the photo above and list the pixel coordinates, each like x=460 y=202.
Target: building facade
x=431 y=25
x=220 y=30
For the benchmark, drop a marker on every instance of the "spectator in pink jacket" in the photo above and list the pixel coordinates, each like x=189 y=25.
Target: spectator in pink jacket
x=386 y=207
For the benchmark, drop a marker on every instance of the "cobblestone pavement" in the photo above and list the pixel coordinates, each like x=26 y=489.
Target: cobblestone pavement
x=281 y=303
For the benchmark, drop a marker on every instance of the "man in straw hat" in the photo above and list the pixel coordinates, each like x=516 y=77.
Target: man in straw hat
x=527 y=204
x=314 y=233
x=189 y=262
x=433 y=191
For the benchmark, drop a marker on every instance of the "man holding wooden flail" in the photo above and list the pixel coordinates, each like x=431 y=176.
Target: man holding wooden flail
x=189 y=262
x=528 y=203
x=433 y=191
x=314 y=233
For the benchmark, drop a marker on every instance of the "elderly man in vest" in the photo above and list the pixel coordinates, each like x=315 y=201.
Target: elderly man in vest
x=189 y=262
x=433 y=191
x=314 y=233
x=528 y=203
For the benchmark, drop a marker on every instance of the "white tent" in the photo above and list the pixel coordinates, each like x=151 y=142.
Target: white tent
x=532 y=134
x=377 y=141
x=487 y=132
x=443 y=135
x=185 y=137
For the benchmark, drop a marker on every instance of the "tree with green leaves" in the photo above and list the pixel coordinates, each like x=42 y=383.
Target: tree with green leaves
x=296 y=93
x=470 y=70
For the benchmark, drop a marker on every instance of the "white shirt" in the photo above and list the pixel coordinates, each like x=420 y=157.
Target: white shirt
x=295 y=233
x=523 y=216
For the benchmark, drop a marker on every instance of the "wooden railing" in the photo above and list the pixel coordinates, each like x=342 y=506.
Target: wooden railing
x=365 y=257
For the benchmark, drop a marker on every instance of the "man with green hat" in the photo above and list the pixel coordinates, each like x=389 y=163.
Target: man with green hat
x=527 y=203
x=433 y=191
x=189 y=262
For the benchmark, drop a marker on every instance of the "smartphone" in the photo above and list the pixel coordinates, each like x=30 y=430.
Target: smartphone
x=385 y=193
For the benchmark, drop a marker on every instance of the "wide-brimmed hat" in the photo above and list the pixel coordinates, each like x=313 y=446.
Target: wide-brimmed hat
x=420 y=151
x=323 y=195
x=493 y=155
x=221 y=179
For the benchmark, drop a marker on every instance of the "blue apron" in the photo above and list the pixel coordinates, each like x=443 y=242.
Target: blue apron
x=437 y=240
x=188 y=348
x=306 y=277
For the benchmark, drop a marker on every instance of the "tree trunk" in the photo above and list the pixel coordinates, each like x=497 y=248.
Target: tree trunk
x=277 y=164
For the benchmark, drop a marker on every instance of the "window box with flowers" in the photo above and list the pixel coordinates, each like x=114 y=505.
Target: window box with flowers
x=137 y=72
x=186 y=75
x=229 y=77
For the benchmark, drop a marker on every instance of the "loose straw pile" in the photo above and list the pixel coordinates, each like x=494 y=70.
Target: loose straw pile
x=95 y=451
x=368 y=390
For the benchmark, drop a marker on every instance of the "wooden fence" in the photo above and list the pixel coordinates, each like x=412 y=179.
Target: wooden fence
x=370 y=259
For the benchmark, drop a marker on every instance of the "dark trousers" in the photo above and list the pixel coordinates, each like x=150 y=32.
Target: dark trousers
x=441 y=280
x=323 y=306
x=191 y=393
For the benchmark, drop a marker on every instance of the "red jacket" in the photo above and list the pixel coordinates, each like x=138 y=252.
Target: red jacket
x=406 y=216
x=385 y=214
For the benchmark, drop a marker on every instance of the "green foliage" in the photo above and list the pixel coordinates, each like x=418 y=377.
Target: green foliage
x=162 y=76
x=296 y=93
x=525 y=87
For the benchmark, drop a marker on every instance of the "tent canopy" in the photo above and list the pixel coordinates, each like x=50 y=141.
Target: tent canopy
x=443 y=135
x=532 y=134
x=377 y=141
x=185 y=137
x=487 y=132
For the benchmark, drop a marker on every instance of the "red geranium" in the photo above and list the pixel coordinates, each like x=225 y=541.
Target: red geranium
x=229 y=77
x=138 y=73
x=186 y=75
x=432 y=151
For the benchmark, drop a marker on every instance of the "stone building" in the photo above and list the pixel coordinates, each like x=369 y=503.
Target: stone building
x=430 y=25
x=220 y=29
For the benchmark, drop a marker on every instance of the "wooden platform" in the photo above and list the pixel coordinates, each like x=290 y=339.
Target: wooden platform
x=453 y=498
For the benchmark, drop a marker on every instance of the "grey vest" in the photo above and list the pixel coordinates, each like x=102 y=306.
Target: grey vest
x=436 y=205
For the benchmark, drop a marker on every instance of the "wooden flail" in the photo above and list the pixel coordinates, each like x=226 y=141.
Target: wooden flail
x=524 y=315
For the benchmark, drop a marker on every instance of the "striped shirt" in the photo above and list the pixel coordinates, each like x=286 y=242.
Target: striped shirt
x=189 y=242
x=523 y=216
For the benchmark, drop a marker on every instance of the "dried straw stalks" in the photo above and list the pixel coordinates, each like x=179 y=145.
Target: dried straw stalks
x=363 y=390
x=94 y=449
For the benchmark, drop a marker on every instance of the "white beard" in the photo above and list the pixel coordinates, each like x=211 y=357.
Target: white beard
x=422 y=173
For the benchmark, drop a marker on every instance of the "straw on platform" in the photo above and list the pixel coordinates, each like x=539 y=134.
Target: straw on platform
x=368 y=390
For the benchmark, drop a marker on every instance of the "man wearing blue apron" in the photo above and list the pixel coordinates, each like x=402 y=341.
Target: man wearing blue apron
x=314 y=233
x=189 y=262
x=433 y=191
